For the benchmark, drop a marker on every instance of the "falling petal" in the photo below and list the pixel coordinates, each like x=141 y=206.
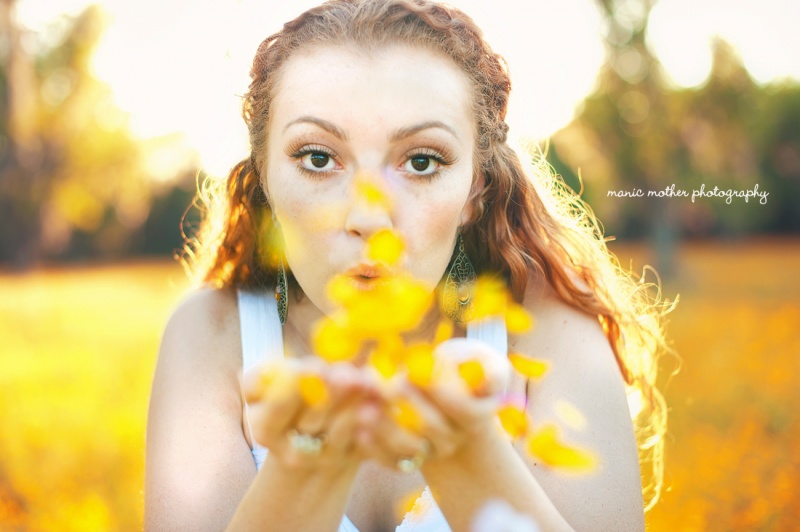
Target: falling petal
x=419 y=363
x=444 y=331
x=513 y=420
x=545 y=445
x=392 y=307
x=528 y=367
x=569 y=414
x=313 y=390
x=518 y=320
x=491 y=298
x=407 y=508
x=387 y=355
x=332 y=342
x=372 y=194
x=340 y=290
x=407 y=416
x=473 y=374
x=385 y=247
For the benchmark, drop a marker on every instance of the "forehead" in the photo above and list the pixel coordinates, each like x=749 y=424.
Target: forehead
x=387 y=83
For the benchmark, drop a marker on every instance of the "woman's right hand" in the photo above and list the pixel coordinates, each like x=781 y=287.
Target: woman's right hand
x=283 y=419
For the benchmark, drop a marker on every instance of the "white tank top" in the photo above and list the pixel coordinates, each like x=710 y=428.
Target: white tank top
x=262 y=340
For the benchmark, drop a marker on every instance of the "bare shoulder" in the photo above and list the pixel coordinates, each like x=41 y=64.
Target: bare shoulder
x=198 y=462
x=583 y=376
x=205 y=317
x=572 y=340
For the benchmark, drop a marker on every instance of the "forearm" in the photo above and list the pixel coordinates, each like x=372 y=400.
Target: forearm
x=281 y=498
x=489 y=468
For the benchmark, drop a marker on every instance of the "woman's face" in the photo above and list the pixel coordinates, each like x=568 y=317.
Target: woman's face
x=398 y=118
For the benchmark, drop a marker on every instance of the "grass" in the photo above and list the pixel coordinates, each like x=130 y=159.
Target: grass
x=78 y=348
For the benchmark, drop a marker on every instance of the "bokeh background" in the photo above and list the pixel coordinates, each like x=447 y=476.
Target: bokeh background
x=109 y=112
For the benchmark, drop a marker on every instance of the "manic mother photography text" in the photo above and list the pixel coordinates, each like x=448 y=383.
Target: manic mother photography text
x=716 y=192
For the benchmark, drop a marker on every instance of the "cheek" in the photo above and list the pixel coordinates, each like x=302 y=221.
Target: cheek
x=306 y=215
x=430 y=234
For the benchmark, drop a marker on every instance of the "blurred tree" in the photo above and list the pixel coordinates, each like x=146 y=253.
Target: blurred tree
x=777 y=141
x=73 y=179
x=622 y=139
x=636 y=133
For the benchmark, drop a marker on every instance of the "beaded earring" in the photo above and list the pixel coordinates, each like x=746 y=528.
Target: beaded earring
x=281 y=294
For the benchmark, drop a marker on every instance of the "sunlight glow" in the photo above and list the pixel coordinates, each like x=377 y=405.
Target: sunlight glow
x=176 y=69
x=680 y=33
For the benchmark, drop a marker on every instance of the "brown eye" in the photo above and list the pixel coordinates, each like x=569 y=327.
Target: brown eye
x=319 y=160
x=422 y=165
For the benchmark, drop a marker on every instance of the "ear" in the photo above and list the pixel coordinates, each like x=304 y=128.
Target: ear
x=471 y=210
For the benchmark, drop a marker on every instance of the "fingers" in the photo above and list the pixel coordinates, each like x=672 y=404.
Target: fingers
x=299 y=401
x=344 y=387
x=295 y=403
x=382 y=439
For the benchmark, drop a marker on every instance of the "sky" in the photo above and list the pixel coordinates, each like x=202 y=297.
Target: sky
x=180 y=66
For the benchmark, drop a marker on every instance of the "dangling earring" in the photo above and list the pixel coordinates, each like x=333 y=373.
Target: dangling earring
x=459 y=286
x=281 y=294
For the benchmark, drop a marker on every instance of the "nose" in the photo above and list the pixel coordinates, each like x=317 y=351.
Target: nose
x=366 y=215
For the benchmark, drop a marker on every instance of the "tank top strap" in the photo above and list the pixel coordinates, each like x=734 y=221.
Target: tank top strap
x=492 y=331
x=262 y=334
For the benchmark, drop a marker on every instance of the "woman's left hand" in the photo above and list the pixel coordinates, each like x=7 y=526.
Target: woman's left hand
x=433 y=422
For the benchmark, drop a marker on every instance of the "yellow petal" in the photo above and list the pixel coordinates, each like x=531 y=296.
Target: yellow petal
x=333 y=342
x=313 y=390
x=419 y=363
x=490 y=299
x=513 y=420
x=444 y=331
x=528 y=367
x=387 y=355
x=407 y=508
x=517 y=319
x=384 y=363
x=385 y=247
x=340 y=290
x=569 y=414
x=545 y=445
x=396 y=305
x=473 y=374
x=368 y=191
x=407 y=416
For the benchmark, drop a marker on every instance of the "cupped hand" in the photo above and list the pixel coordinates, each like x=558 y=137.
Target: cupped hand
x=307 y=413
x=434 y=421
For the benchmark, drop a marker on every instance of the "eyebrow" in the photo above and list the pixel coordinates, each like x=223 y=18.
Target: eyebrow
x=331 y=128
x=405 y=132
x=398 y=134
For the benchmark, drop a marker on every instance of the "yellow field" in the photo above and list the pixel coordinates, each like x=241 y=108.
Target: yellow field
x=77 y=353
x=78 y=346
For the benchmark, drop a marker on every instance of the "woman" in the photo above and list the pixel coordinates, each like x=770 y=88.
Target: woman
x=406 y=97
